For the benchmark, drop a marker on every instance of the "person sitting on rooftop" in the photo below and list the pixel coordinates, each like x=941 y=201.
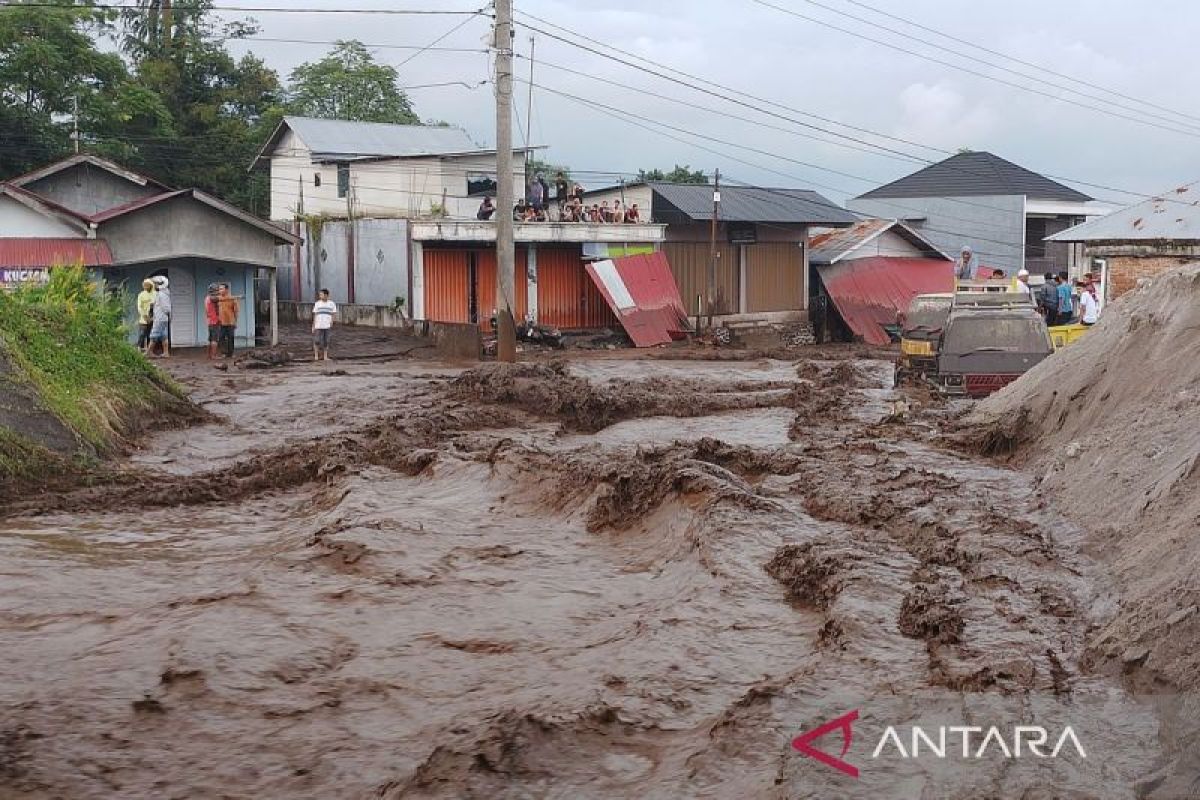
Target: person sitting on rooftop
x=633 y=215
x=486 y=209
x=520 y=211
x=618 y=213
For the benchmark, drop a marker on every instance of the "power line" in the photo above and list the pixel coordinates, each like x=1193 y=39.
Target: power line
x=417 y=47
x=646 y=125
x=1043 y=68
x=881 y=42
x=742 y=103
x=1190 y=131
x=271 y=10
x=443 y=37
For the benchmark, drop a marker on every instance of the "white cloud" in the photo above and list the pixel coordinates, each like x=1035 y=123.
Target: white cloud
x=939 y=115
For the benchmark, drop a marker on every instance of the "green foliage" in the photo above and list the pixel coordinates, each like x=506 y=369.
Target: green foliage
x=684 y=174
x=172 y=102
x=535 y=166
x=349 y=84
x=67 y=339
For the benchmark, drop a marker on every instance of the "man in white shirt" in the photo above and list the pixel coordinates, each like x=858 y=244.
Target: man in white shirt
x=1089 y=306
x=1023 y=281
x=323 y=312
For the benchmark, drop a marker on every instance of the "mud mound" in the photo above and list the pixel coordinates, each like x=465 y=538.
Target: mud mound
x=551 y=391
x=1111 y=423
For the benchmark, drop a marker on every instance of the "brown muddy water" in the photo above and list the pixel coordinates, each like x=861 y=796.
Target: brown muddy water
x=611 y=578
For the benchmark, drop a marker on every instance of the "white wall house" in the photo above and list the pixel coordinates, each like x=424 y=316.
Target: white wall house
x=369 y=169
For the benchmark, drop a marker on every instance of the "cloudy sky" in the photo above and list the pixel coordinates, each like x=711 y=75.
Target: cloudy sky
x=1145 y=52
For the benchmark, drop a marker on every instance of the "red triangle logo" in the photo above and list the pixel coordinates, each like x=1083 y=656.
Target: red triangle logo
x=803 y=743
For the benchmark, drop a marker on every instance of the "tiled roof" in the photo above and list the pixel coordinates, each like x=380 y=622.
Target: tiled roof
x=752 y=204
x=977 y=173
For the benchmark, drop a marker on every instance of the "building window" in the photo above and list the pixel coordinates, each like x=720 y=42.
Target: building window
x=316 y=179
x=343 y=179
x=481 y=184
x=1035 y=233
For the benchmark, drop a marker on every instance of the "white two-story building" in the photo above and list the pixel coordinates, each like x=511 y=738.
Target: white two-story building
x=337 y=168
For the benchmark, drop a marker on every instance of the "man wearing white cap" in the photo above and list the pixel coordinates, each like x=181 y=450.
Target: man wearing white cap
x=965 y=270
x=1023 y=281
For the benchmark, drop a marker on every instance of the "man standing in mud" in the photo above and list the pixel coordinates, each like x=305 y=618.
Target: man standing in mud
x=323 y=312
x=228 y=309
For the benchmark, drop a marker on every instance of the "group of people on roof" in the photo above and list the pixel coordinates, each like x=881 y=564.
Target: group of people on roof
x=566 y=206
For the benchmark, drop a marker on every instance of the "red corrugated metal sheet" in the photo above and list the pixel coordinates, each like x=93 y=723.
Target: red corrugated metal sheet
x=21 y=252
x=446 y=285
x=485 y=283
x=870 y=292
x=642 y=292
x=566 y=298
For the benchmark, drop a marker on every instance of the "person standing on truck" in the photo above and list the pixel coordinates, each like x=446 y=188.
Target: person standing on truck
x=1089 y=306
x=967 y=265
x=1048 y=299
x=1066 y=303
x=1023 y=281
x=322 y=313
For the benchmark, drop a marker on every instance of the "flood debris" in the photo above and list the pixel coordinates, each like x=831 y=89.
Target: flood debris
x=461 y=587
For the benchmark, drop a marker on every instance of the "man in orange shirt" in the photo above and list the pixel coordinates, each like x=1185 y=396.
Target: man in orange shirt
x=228 y=309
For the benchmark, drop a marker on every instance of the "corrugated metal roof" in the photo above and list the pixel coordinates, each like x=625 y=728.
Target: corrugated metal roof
x=977 y=173
x=833 y=246
x=281 y=235
x=641 y=291
x=870 y=292
x=752 y=204
x=29 y=252
x=1173 y=216
x=335 y=137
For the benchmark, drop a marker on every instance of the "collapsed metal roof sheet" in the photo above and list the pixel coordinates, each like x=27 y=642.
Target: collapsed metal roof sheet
x=641 y=291
x=870 y=292
x=1172 y=216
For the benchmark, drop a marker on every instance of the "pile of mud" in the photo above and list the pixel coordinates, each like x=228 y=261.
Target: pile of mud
x=551 y=391
x=1111 y=423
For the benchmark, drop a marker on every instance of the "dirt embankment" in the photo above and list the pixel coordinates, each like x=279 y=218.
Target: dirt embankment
x=72 y=388
x=1110 y=424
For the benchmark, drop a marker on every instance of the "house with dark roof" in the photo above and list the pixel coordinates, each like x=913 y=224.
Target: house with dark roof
x=762 y=269
x=126 y=227
x=1141 y=240
x=340 y=168
x=1001 y=210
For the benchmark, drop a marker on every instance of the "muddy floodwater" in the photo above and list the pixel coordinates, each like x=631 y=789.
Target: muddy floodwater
x=605 y=578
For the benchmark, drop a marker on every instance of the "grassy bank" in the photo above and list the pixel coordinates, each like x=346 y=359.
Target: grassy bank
x=71 y=386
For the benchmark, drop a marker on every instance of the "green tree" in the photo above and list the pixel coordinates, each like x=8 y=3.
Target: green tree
x=218 y=107
x=349 y=84
x=684 y=174
x=49 y=62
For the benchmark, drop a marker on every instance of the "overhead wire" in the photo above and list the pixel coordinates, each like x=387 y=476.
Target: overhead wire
x=600 y=49
x=1190 y=131
x=984 y=48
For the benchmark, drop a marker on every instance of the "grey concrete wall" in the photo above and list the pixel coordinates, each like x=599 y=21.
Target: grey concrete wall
x=186 y=227
x=87 y=189
x=381 y=263
x=993 y=225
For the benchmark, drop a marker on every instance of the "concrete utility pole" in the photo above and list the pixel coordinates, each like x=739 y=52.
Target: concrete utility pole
x=712 y=248
x=506 y=333
x=75 y=115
